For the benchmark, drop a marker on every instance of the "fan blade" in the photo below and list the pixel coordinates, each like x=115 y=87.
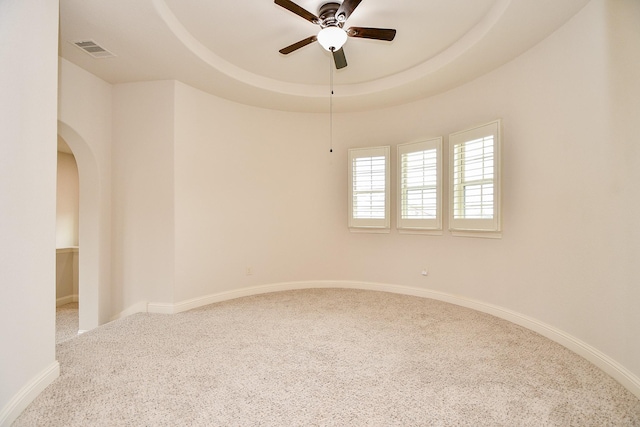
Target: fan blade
x=302 y=43
x=339 y=58
x=291 y=6
x=346 y=8
x=385 y=34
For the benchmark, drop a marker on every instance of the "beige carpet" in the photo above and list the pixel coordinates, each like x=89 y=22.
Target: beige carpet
x=325 y=357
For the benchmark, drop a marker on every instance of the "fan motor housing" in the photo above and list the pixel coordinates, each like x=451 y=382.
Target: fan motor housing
x=327 y=15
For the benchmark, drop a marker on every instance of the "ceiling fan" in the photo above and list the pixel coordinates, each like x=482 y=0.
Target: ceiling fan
x=331 y=18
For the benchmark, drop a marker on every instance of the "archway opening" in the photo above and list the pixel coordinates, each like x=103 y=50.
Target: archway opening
x=91 y=289
x=67 y=248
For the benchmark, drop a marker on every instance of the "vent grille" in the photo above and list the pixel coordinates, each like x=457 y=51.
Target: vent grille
x=93 y=49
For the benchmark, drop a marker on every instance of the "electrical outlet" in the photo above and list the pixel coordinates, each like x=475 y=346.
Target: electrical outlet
x=249 y=271
x=425 y=271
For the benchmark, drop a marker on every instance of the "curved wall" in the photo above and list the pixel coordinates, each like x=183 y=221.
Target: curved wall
x=570 y=165
x=255 y=188
x=27 y=202
x=258 y=189
x=206 y=191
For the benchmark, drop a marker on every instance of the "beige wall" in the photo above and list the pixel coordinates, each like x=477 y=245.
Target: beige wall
x=143 y=191
x=67 y=201
x=254 y=189
x=85 y=123
x=568 y=256
x=66 y=276
x=28 y=84
x=67 y=212
x=570 y=198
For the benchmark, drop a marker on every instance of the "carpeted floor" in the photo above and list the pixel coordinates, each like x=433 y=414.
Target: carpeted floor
x=325 y=357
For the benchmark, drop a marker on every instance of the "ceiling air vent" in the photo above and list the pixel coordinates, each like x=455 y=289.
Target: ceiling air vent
x=93 y=49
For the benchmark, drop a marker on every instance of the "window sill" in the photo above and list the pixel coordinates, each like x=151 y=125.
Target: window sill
x=422 y=231
x=477 y=233
x=371 y=230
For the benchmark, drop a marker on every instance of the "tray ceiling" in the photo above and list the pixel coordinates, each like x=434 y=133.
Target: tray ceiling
x=230 y=49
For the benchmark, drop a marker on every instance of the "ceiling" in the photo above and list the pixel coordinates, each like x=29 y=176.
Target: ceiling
x=230 y=48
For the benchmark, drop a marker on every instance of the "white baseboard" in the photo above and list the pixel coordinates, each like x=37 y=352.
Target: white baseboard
x=164 y=308
x=139 y=307
x=593 y=355
x=66 y=300
x=25 y=396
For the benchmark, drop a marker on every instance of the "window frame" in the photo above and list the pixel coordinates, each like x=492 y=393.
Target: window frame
x=369 y=225
x=476 y=227
x=426 y=225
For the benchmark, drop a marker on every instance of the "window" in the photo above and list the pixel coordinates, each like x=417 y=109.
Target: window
x=420 y=187
x=474 y=184
x=369 y=189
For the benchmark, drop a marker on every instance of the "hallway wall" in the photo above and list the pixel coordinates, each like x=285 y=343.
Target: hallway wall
x=67 y=201
x=85 y=123
x=28 y=84
x=143 y=194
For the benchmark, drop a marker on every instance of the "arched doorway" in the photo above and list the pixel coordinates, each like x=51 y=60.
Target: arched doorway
x=67 y=216
x=90 y=289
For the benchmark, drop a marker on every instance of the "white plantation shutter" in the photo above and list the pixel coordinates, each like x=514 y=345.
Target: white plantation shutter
x=420 y=185
x=474 y=179
x=473 y=174
x=369 y=188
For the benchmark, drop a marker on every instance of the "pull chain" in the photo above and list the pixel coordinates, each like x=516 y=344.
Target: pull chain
x=331 y=102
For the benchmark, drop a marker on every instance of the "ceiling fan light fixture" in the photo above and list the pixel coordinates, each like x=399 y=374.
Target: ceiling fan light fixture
x=332 y=38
